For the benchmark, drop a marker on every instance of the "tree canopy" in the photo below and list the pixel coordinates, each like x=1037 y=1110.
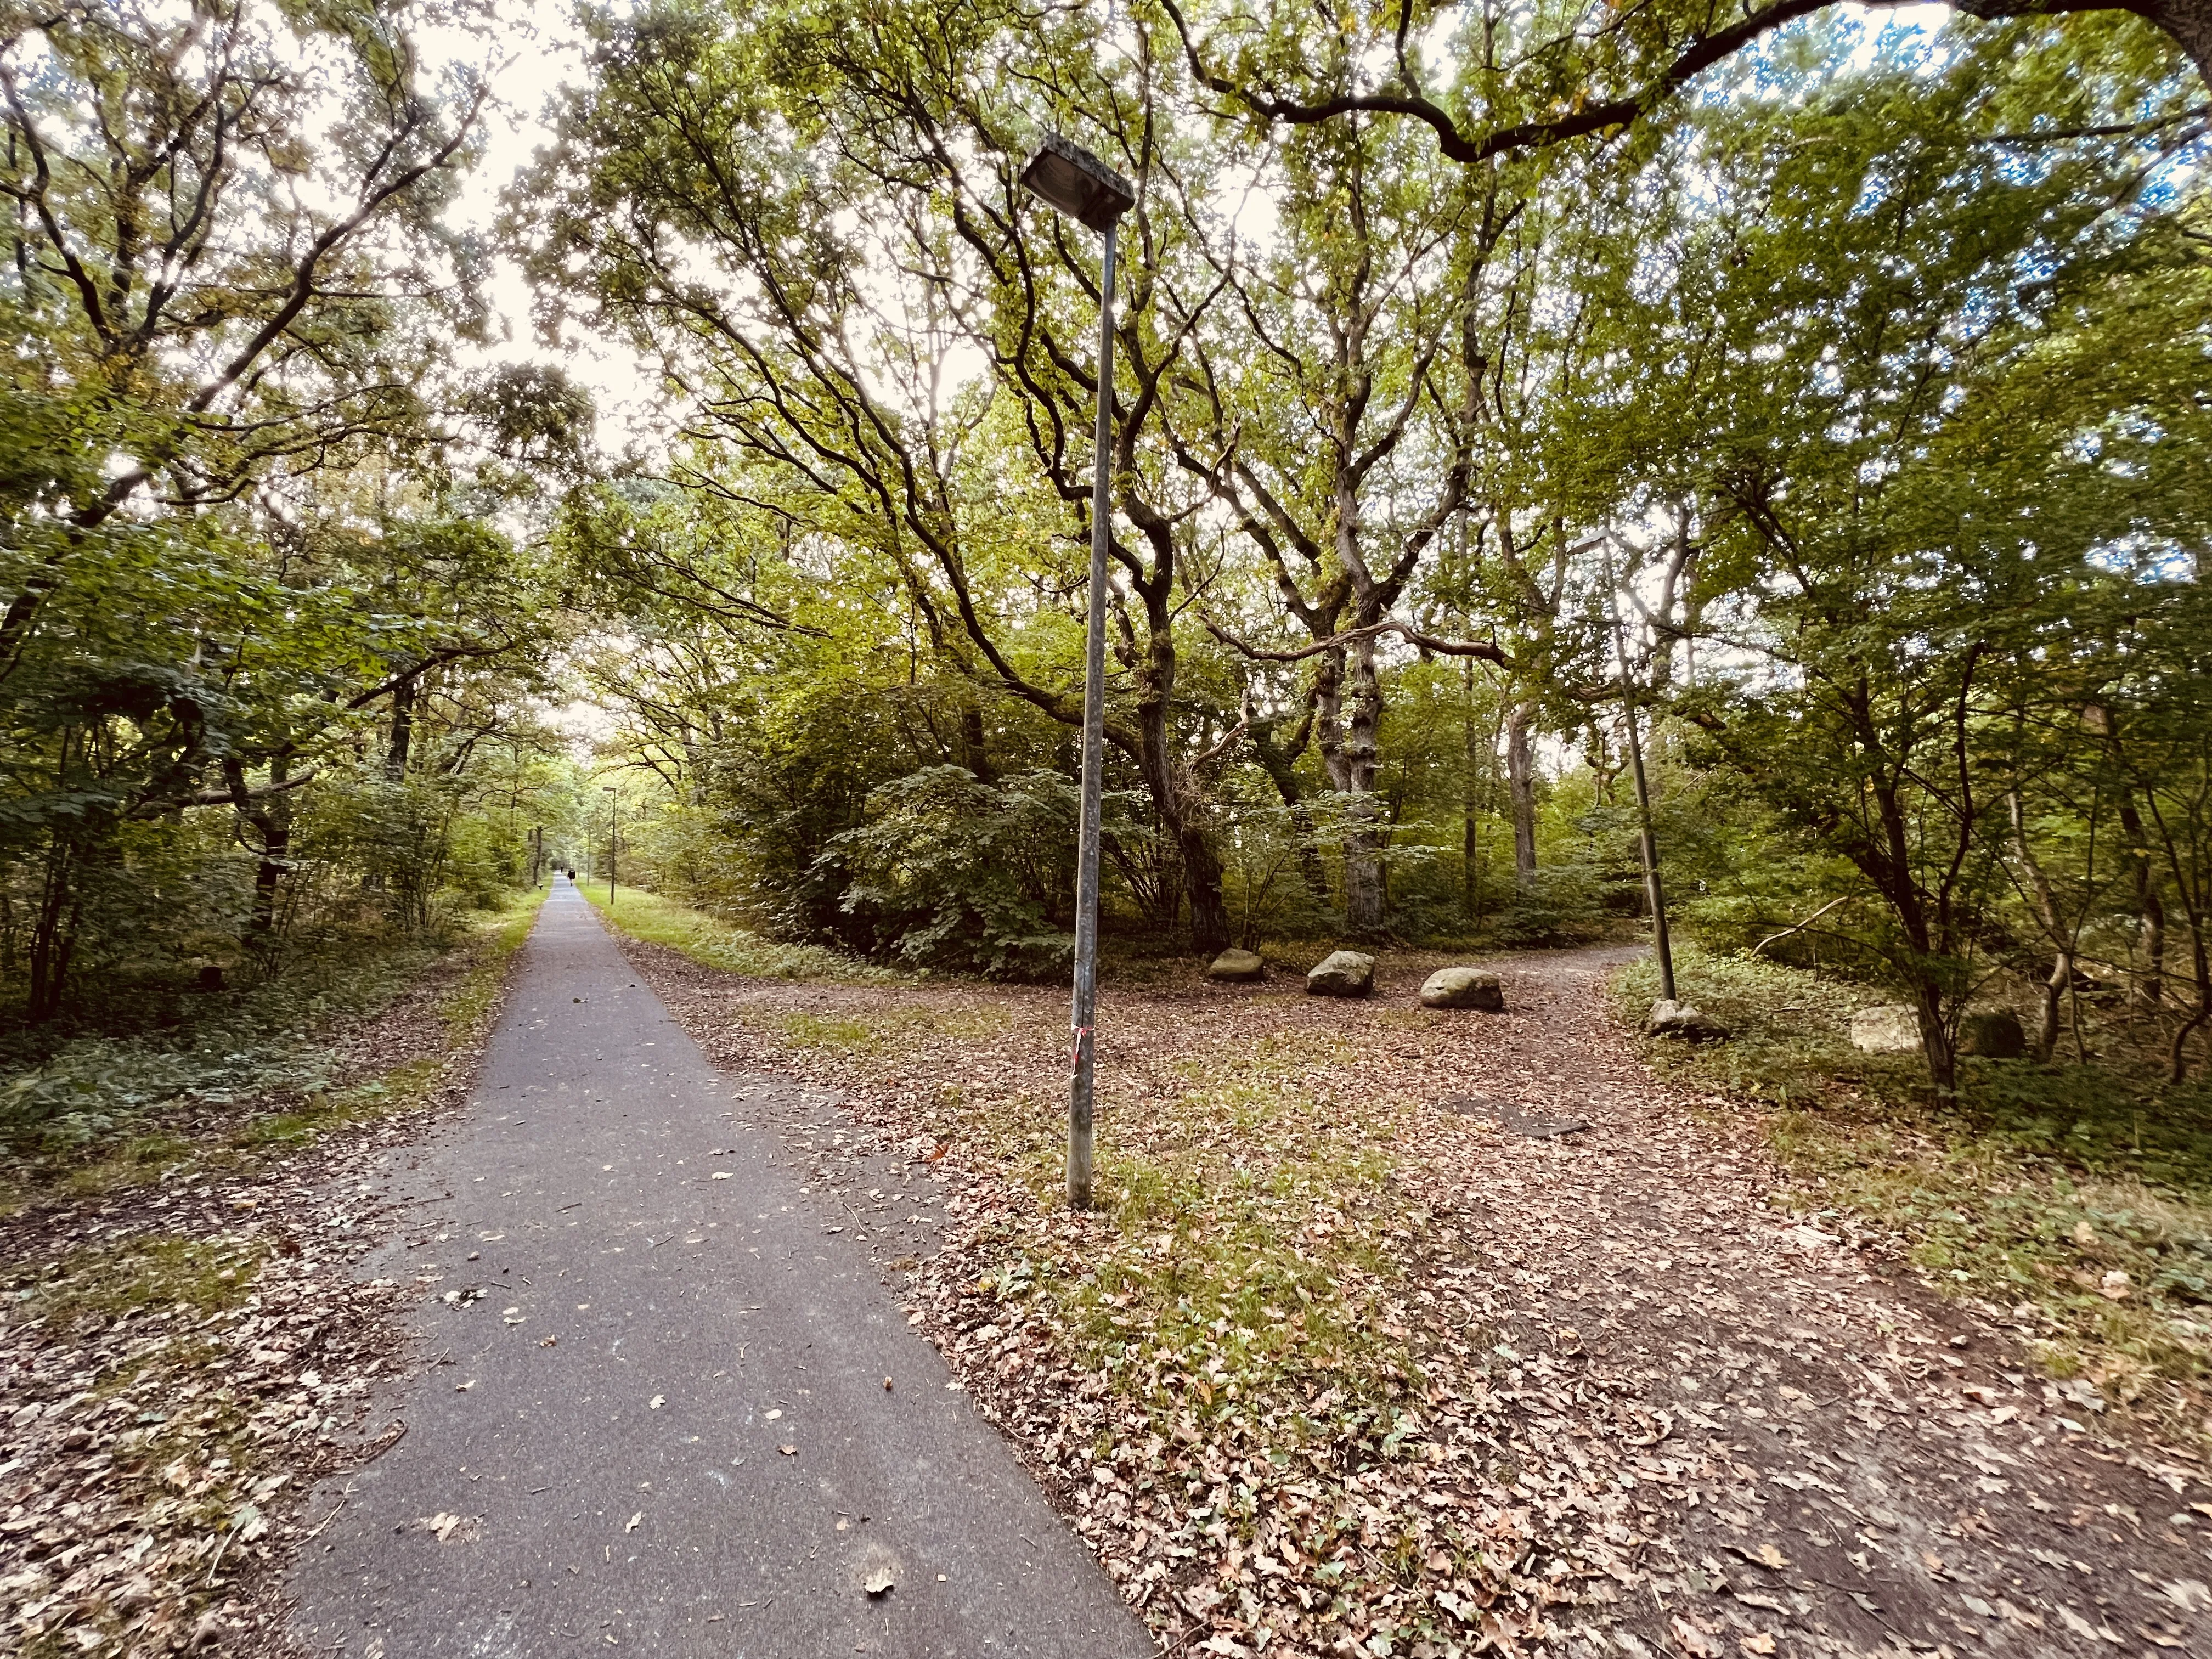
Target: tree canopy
x=1865 y=368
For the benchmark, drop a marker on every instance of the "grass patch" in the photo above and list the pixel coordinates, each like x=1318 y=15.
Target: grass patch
x=1242 y=1279
x=2077 y=1196
x=91 y=1286
x=884 y=1028
x=715 y=943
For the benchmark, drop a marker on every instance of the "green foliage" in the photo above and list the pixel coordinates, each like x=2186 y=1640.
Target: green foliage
x=950 y=872
x=153 y=1270
x=1562 y=904
x=209 y=1056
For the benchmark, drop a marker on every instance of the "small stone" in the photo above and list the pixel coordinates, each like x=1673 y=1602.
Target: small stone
x=1893 y=1029
x=1463 y=988
x=1683 y=1022
x=1996 y=1035
x=1238 y=967
x=1341 y=974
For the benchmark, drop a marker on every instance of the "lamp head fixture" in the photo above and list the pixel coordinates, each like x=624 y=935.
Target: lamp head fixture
x=1078 y=183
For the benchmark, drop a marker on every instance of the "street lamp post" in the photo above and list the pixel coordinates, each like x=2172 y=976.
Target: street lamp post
x=610 y=789
x=1078 y=184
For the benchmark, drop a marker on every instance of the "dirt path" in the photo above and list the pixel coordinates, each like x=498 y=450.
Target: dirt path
x=1657 y=1413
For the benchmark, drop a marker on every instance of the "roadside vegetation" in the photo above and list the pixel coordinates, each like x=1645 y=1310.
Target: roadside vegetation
x=1808 y=403
x=187 y=1346
x=714 y=942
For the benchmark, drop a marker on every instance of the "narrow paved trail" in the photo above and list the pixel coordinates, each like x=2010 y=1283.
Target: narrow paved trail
x=664 y=1402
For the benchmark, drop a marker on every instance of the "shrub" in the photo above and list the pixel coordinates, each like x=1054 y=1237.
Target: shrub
x=1559 y=904
x=950 y=872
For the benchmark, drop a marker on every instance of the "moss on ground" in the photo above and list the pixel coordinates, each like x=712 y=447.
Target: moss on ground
x=880 y=1028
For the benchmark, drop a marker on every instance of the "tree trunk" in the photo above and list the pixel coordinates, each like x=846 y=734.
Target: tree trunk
x=1936 y=1043
x=53 y=930
x=273 y=823
x=1365 y=833
x=1521 y=789
x=1470 y=890
x=402 y=737
x=1176 y=794
x=2044 y=901
x=1279 y=765
x=1888 y=863
x=2150 y=909
x=2054 y=995
x=1202 y=888
x=974 y=751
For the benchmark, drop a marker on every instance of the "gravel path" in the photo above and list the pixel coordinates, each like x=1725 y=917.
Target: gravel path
x=664 y=1402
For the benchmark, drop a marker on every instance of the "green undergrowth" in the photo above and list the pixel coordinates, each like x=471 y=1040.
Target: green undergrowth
x=715 y=943
x=2076 y=1196
x=101 y=1113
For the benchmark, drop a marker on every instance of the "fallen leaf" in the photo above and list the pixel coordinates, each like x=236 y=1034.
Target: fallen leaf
x=1759 y=1642
x=788 y=1451
x=879 y=1581
x=2190 y=1595
x=1771 y=1556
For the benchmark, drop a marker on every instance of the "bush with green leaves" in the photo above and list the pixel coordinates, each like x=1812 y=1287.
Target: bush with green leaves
x=950 y=872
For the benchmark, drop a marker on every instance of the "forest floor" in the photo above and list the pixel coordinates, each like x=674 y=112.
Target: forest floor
x=184 y=1346
x=1409 y=1332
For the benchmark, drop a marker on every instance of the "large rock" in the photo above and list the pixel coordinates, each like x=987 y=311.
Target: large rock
x=1463 y=988
x=1996 y=1035
x=1683 y=1022
x=1238 y=967
x=1893 y=1029
x=1341 y=974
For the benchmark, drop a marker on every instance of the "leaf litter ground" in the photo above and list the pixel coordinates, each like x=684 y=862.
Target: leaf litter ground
x=1366 y=1351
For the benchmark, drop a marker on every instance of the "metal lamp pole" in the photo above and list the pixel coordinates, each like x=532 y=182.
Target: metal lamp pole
x=610 y=789
x=1085 y=188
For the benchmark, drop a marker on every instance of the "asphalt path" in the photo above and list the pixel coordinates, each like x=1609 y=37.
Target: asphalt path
x=656 y=1403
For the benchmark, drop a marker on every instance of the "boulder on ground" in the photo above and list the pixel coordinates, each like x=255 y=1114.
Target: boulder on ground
x=1463 y=988
x=1237 y=966
x=1892 y=1028
x=1341 y=974
x=1683 y=1022
x=1996 y=1035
